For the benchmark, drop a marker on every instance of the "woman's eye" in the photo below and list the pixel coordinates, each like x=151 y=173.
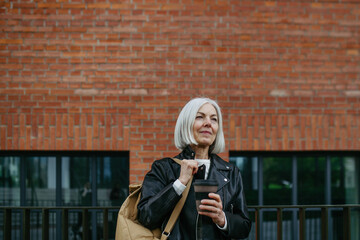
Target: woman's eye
x=199 y=117
x=214 y=119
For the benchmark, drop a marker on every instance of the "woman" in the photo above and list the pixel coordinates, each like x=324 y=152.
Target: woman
x=199 y=134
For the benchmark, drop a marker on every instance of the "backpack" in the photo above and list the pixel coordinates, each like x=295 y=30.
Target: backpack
x=129 y=228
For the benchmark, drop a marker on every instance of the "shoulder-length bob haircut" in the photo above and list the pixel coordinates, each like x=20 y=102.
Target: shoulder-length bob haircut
x=184 y=136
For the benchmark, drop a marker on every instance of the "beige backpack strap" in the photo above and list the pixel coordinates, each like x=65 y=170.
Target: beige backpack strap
x=176 y=212
x=178 y=161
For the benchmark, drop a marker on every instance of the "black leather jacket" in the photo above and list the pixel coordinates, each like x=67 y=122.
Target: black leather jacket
x=159 y=198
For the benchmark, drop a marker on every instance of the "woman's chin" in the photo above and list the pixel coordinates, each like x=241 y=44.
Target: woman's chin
x=204 y=144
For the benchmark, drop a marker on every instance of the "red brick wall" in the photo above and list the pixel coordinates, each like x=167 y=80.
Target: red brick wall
x=113 y=75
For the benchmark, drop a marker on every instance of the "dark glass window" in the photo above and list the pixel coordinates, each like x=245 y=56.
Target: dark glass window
x=58 y=178
x=249 y=172
x=110 y=181
x=40 y=181
x=345 y=180
x=300 y=178
x=311 y=178
x=305 y=178
x=32 y=178
x=277 y=182
x=10 y=181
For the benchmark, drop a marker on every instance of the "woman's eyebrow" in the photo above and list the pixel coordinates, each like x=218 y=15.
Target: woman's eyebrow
x=210 y=115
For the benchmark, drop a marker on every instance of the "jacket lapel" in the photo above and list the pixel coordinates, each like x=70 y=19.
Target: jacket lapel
x=220 y=172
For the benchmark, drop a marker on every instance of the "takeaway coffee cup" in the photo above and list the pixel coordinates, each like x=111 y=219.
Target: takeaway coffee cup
x=202 y=189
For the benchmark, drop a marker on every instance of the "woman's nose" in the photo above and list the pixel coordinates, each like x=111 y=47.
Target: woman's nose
x=207 y=122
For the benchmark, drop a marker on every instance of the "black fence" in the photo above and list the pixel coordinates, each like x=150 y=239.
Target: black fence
x=306 y=222
x=269 y=222
x=71 y=223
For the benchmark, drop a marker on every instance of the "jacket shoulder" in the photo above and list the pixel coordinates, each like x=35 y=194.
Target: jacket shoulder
x=222 y=164
x=164 y=164
x=164 y=161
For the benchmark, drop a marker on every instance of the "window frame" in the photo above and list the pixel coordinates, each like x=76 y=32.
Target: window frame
x=91 y=155
x=294 y=155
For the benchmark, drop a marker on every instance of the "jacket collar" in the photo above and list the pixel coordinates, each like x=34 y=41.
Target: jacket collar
x=220 y=164
x=219 y=169
x=187 y=153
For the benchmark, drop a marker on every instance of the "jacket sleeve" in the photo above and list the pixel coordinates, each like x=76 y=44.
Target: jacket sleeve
x=158 y=197
x=239 y=223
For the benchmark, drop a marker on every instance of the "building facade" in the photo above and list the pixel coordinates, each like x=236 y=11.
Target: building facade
x=92 y=90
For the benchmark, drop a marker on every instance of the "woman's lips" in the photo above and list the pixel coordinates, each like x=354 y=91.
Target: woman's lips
x=205 y=132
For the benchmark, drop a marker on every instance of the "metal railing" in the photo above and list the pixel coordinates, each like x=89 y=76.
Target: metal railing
x=300 y=211
x=58 y=220
x=27 y=221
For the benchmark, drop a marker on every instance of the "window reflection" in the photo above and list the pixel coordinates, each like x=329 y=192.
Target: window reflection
x=40 y=181
x=326 y=178
x=10 y=181
x=311 y=177
x=277 y=180
x=32 y=180
x=344 y=180
x=76 y=181
x=249 y=171
x=112 y=181
x=319 y=179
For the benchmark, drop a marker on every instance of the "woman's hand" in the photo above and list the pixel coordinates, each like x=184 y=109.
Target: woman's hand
x=213 y=206
x=188 y=168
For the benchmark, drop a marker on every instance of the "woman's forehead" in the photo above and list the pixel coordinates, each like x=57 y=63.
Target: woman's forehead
x=207 y=108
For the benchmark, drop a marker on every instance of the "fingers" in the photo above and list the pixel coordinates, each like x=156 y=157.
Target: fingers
x=216 y=197
x=212 y=208
x=188 y=168
x=212 y=204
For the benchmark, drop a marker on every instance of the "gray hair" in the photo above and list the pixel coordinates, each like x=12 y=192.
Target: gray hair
x=184 y=135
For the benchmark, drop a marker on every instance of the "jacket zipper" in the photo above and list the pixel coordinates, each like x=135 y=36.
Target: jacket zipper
x=196 y=226
x=224 y=200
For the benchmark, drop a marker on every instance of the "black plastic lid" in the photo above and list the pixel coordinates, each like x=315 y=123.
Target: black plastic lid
x=203 y=182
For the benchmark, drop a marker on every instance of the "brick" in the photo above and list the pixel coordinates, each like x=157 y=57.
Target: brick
x=98 y=5
x=11 y=41
x=114 y=76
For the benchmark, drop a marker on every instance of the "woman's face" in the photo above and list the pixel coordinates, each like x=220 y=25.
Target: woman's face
x=206 y=125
